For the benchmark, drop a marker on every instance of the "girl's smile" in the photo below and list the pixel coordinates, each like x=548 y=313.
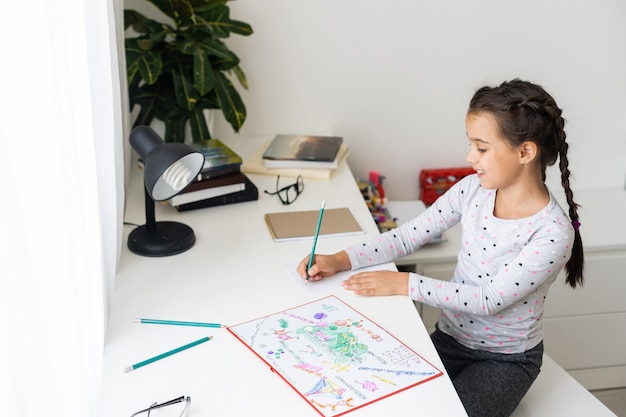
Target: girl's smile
x=496 y=162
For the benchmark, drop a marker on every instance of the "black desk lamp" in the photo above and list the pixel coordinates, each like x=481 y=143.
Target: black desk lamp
x=168 y=169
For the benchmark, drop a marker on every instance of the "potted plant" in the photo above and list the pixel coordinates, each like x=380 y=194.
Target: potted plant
x=177 y=70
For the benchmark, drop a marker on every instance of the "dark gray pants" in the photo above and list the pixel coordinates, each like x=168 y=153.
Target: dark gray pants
x=489 y=384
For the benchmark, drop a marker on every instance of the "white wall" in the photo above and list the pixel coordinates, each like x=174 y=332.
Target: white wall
x=394 y=78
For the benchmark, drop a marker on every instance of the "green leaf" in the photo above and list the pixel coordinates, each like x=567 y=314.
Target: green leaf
x=150 y=66
x=203 y=79
x=209 y=101
x=157 y=32
x=200 y=37
x=201 y=5
x=180 y=11
x=186 y=94
x=136 y=20
x=240 y=28
x=147 y=28
x=230 y=102
x=241 y=77
x=175 y=128
x=155 y=101
x=217 y=19
x=132 y=61
x=147 y=99
x=226 y=61
x=198 y=125
x=147 y=63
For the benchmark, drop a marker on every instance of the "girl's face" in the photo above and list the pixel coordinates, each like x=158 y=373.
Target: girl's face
x=496 y=162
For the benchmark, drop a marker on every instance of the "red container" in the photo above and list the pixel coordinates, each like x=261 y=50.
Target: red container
x=435 y=182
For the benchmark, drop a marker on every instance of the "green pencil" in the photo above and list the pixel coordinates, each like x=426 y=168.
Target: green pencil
x=166 y=354
x=317 y=233
x=177 y=323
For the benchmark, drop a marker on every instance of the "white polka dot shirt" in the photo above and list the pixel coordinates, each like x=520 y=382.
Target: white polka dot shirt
x=496 y=297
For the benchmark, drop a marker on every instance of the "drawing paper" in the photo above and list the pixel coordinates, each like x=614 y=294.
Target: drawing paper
x=335 y=358
x=327 y=285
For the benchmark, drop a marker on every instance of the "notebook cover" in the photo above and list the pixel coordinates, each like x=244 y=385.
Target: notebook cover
x=303 y=148
x=293 y=225
x=216 y=154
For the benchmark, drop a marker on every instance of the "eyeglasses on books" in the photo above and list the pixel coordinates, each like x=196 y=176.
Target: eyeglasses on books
x=181 y=410
x=289 y=193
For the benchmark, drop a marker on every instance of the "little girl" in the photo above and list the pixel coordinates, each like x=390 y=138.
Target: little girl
x=515 y=240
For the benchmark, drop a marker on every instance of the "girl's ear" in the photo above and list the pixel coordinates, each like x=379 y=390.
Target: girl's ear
x=528 y=152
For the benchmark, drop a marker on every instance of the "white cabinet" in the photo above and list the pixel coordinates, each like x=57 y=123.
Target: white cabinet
x=585 y=328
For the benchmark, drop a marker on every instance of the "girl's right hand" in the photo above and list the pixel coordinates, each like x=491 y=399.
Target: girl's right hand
x=324 y=265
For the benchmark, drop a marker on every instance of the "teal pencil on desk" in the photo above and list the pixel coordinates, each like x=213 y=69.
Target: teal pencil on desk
x=177 y=323
x=317 y=233
x=166 y=354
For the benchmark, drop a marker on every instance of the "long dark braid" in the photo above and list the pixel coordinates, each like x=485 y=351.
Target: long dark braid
x=525 y=111
x=575 y=265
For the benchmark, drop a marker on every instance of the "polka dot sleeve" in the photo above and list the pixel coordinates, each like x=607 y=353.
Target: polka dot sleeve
x=408 y=237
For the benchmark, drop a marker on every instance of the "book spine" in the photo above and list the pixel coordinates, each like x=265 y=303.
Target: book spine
x=220 y=181
x=250 y=193
x=206 y=193
x=213 y=172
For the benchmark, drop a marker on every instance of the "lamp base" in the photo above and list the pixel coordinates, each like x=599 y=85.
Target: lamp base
x=165 y=239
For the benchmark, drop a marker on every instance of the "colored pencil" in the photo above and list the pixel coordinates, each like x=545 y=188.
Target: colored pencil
x=317 y=233
x=166 y=354
x=177 y=323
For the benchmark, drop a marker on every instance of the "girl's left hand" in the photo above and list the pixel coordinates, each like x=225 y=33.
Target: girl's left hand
x=378 y=283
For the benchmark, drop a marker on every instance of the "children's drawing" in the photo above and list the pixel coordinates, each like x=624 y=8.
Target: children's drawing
x=335 y=358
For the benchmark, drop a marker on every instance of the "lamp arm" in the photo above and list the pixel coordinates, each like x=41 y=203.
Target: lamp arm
x=150 y=216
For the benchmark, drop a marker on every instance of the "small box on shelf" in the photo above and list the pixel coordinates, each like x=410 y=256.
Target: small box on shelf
x=435 y=182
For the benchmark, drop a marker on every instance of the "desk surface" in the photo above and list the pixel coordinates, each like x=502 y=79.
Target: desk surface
x=234 y=273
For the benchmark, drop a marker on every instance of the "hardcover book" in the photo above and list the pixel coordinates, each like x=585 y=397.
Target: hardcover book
x=219 y=159
x=214 y=172
x=299 y=164
x=212 y=187
x=255 y=164
x=335 y=358
x=303 y=148
x=249 y=193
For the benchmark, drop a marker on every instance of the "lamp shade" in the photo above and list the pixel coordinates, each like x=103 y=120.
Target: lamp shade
x=168 y=167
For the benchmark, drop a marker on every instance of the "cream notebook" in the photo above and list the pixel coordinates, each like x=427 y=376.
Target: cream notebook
x=294 y=225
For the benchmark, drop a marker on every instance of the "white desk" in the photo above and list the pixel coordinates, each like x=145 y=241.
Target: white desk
x=235 y=273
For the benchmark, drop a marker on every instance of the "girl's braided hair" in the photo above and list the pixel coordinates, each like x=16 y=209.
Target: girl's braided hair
x=526 y=112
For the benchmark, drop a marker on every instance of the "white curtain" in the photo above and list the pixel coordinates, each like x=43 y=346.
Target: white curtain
x=60 y=181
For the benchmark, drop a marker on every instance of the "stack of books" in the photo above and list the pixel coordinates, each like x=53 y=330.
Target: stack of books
x=312 y=156
x=219 y=182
